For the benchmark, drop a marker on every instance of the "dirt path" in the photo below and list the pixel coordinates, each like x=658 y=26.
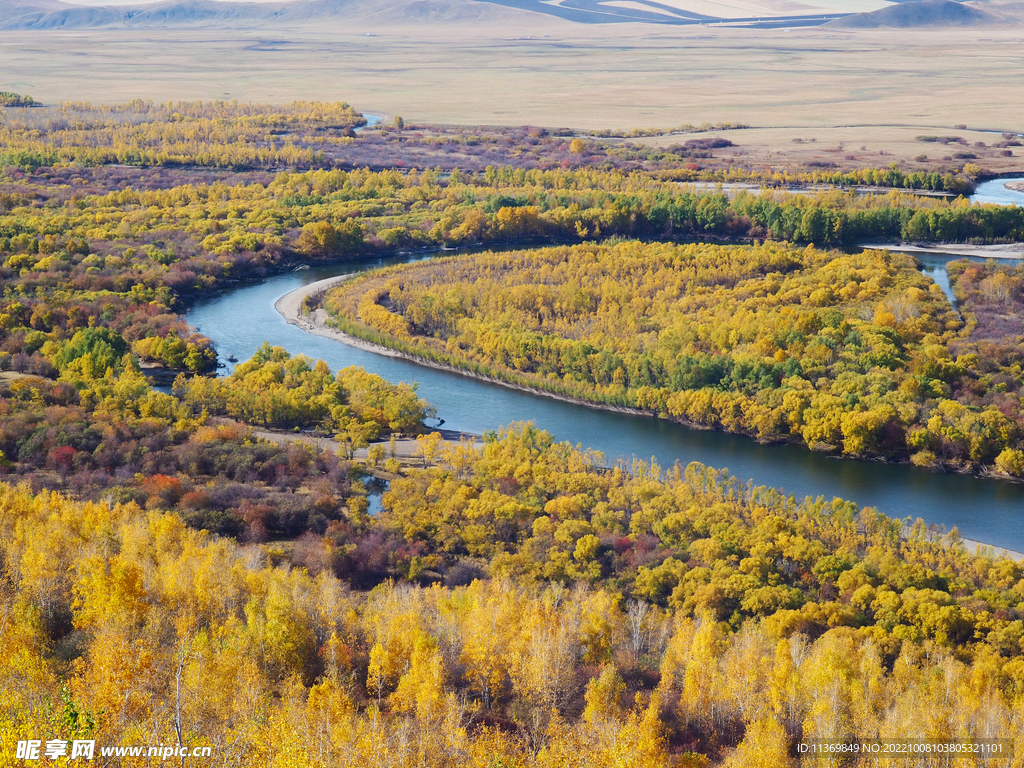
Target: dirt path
x=406 y=448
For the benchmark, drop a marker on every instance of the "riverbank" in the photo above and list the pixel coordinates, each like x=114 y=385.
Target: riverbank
x=409 y=452
x=796 y=188
x=998 y=251
x=289 y=307
x=974 y=546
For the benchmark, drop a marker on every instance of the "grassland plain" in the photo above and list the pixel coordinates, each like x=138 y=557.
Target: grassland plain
x=872 y=89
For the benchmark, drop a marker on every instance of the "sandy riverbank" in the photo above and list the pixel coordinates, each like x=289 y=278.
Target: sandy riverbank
x=973 y=546
x=807 y=189
x=1000 y=251
x=290 y=308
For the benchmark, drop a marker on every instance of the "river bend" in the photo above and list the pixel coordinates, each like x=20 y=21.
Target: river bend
x=239 y=321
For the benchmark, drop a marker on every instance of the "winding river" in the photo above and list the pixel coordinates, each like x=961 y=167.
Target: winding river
x=992 y=511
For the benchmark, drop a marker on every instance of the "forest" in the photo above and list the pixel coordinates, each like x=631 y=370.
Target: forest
x=891 y=177
x=197 y=565
x=630 y=615
x=217 y=134
x=858 y=353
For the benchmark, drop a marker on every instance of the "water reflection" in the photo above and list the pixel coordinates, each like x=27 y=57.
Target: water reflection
x=375 y=489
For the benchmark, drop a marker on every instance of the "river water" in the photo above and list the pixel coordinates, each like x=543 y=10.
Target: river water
x=239 y=321
x=995 y=191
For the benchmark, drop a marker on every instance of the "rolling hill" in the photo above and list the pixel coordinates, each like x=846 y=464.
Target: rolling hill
x=920 y=13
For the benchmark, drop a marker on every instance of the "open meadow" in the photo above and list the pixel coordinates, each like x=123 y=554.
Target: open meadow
x=846 y=90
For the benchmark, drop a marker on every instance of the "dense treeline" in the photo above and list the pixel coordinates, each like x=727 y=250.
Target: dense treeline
x=274 y=389
x=852 y=352
x=217 y=134
x=393 y=209
x=9 y=99
x=724 y=624
x=934 y=181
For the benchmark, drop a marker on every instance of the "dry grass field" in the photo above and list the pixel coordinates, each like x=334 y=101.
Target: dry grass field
x=862 y=94
x=860 y=146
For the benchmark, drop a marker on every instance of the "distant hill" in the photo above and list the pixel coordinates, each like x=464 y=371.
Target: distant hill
x=49 y=14
x=920 y=13
x=217 y=14
x=52 y=14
